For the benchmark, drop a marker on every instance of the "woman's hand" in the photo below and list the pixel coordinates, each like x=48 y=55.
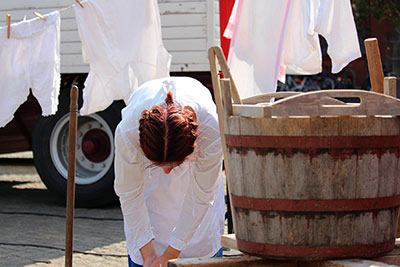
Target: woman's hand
x=149 y=262
x=148 y=254
x=169 y=254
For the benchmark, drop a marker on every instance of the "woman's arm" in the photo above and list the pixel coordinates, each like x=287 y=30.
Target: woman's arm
x=148 y=254
x=128 y=185
x=207 y=171
x=169 y=254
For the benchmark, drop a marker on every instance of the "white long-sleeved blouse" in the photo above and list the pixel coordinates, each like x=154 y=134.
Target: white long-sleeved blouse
x=184 y=209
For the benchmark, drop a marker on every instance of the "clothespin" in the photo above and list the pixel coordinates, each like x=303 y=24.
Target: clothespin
x=79 y=3
x=8 y=23
x=39 y=15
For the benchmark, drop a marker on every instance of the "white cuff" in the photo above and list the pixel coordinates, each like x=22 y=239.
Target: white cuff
x=144 y=239
x=177 y=243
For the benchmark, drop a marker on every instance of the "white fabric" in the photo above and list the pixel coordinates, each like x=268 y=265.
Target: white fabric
x=331 y=19
x=121 y=41
x=30 y=59
x=259 y=33
x=228 y=33
x=176 y=209
x=266 y=32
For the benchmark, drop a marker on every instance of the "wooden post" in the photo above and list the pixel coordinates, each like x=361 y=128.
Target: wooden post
x=374 y=64
x=389 y=86
x=8 y=23
x=227 y=101
x=216 y=55
x=69 y=225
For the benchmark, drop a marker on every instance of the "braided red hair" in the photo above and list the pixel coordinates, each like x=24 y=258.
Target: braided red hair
x=167 y=133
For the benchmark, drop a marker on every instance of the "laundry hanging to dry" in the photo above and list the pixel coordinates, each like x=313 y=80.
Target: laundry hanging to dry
x=121 y=41
x=270 y=38
x=30 y=59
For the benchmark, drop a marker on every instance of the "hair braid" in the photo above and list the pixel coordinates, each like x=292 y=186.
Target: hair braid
x=167 y=133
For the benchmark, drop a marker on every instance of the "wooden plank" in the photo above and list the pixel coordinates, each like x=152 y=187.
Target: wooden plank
x=187 y=32
x=220 y=59
x=235 y=261
x=71 y=66
x=345 y=263
x=309 y=104
x=72 y=60
x=392 y=257
x=226 y=98
x=374 y=64
x=389 y=86
x=74 y=69
x=165 y=7
x=190 y=57
x=254 y=111
x=68 y=24
x=19 y=14
x=70 y=36
x=245 y=260
x=12 y=4
x=178 y=45
x=229 y=241
x=368 y=164
x=215 y=78
x=389 y=259
x=69 y=48
x=265 y=98
x=186 y=7
x=211 y=22
x=183 y=19
x=324 y=126
x=183 y=67
x=69 y=60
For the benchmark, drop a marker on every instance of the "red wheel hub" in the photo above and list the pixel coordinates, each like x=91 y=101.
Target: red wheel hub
x=96 y=145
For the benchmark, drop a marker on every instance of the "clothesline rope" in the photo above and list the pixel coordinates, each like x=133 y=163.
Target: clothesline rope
x=71 y=6
x=66 y=8
x=78 y=2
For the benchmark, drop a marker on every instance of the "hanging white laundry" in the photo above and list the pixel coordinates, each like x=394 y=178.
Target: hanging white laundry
x=30 y=59
x=331 y=19
x=269 y=37
x=259 y=32
x=121 y=41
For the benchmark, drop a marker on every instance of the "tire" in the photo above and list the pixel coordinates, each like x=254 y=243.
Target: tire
x=94 y=181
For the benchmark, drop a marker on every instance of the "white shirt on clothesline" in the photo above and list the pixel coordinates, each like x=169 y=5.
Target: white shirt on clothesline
x=269 y=37
x=331 y=19
x=121 y=41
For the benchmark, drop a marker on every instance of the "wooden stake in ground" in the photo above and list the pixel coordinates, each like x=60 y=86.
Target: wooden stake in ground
x=69 y=224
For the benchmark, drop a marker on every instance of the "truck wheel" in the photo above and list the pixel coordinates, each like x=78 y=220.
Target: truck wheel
x=94 y=180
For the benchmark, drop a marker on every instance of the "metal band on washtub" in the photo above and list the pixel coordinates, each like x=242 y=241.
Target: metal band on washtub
x=312 y=142
x=315 y=205
x=313 y=252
